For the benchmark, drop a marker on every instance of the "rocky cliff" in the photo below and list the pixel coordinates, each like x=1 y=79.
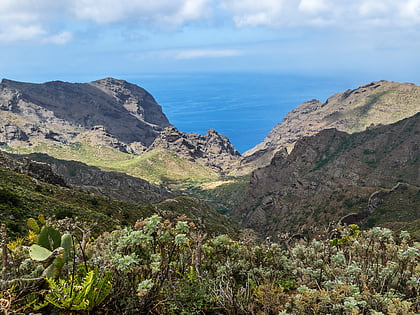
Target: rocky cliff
x=332 y=174
x=59 y=111
x=373 y=104
x=108 y=112
x=212 y=150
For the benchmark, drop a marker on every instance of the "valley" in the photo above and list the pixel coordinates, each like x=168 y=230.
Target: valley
x=107 y=208
x=90 y=133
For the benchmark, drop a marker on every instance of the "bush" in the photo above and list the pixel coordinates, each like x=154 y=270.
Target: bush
x=170 y=267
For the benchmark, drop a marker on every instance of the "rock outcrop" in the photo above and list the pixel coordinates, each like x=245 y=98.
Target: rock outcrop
x=108 y=112
x=37 y=170
x=117 y=186
x=370 y=105
x=212 y=150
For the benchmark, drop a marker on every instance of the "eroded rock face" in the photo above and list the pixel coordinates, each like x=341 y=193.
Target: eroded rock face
x=60 y=111
x=108 y=112
x=38 y=170
x=114 y=185
x=330 y=175
x=368 y=106
x=212 y=150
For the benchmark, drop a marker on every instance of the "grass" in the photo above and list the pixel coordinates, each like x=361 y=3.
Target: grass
x=398 y=215
x=157 y=167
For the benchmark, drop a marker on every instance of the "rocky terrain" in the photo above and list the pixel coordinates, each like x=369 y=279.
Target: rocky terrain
x=212 y=150
x=108 y=112
x=114 y=185
x=60 y=111
x=332 y=174
x=373 y=104
x=326 y=161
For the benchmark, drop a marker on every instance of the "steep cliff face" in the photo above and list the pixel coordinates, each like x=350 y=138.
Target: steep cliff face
x=351 y=111
x=59 y=111
x=331 y=174
x=37 y=170
x=212 y=150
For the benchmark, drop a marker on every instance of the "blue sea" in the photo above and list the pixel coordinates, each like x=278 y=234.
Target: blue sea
x=242 y=106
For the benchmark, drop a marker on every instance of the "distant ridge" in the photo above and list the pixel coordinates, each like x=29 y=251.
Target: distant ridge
x=108 y=112
x=370 y=105
x=59 y=111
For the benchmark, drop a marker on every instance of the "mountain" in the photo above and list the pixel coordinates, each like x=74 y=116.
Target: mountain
x=60 y=118
x=373 y=104
x=60 y=111
x=332 y=174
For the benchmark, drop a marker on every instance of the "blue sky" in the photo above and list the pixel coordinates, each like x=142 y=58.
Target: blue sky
x=83 y=40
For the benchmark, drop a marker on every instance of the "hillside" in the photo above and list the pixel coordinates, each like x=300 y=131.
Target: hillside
x=329 y=174
x=373 y=104
x=99 y=120
x=60 y=111
x=114 y=185
x=333 y=174
x=29 y=188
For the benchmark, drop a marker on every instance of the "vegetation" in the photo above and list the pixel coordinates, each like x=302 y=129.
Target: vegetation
x=158 y=167
x=161 y=266
x=223 y=195
x=22 y=197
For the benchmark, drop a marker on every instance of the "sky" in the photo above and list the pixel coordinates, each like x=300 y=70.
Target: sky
x=84 y=40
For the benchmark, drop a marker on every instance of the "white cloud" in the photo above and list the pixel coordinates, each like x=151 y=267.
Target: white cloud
x=48 y=20
x=411 y=11
x=313 y=6
x=346 y=14
x=59 y=39
x=174 y=12
x=254 y=13
x=206 y=53
x=21 y=33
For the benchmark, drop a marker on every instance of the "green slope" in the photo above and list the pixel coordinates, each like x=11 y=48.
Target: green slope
x=156 y=166
x=22 y=197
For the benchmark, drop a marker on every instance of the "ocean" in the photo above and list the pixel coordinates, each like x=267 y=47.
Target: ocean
x=242 y=106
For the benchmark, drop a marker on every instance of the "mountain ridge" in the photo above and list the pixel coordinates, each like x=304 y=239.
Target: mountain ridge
x=354 y=110
x=108 y=112
x=332 y=174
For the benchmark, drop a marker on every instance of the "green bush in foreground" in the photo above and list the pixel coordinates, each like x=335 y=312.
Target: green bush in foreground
x=171 y=267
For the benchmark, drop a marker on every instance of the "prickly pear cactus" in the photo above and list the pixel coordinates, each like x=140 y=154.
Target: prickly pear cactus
x=39 y=253
x=49 y=238
x=53 y=271
x=66 y=244
x=33 y=225
x=53 y=260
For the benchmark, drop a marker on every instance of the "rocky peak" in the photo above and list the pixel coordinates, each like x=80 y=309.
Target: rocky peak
x=212 y=150
x=379 y=102
x=137 y=101
x=128 y=112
